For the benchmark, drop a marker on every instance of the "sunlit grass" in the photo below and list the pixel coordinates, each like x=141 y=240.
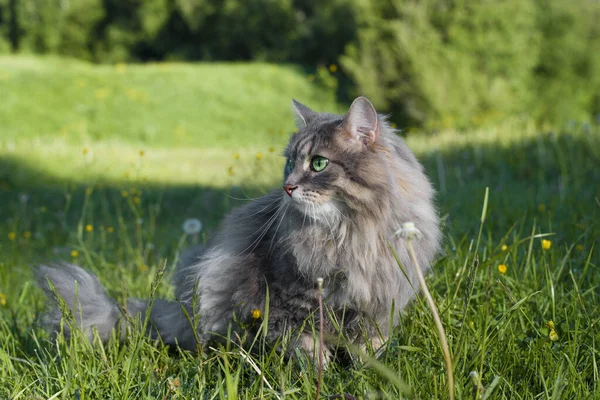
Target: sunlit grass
x=521 y=322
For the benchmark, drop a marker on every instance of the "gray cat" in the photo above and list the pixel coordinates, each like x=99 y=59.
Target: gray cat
x=349 y=183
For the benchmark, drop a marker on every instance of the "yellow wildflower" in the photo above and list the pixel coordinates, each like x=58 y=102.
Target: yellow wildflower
x=124 y=193
x=256 y=314
x=137 y=200
x=2 y=299
x=110 y=229
x=84 y=150
x=230 y=171
x=579 y=247
x=74 y=253
x=502 y=268
x=12 y=235
x=551 y=331
x=89 y=228
x=236 y=156
x=504 y=247
x=271 y=149
x=121 y=68
x=26 y=234
x=142 y=153
x=546 y=244
x=102 y=93
x=258 y=156
x=333 y=68
x=143 y=268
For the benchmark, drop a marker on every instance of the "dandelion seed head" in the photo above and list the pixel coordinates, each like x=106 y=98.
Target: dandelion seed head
x=409 y=231
x=192 y=226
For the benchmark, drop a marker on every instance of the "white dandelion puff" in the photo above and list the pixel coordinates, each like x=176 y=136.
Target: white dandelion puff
x=409 y=231
x=192 y=226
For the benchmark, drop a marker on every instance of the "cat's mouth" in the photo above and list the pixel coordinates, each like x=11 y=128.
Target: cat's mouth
x=314 y=206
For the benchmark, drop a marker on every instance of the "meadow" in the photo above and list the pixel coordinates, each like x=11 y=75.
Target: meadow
x=101 y=165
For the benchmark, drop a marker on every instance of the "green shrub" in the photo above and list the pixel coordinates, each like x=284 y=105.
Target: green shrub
x=442 y=64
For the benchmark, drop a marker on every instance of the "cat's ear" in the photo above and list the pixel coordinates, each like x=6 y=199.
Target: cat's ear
x=361 y=123
x=302 y=114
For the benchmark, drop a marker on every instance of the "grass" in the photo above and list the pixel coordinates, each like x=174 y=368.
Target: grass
x=74 y=185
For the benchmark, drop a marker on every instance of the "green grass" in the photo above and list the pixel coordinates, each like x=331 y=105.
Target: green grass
x=540 y=184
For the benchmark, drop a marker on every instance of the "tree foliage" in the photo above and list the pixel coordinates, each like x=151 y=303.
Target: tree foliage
x=432 y=63
x=459 y=63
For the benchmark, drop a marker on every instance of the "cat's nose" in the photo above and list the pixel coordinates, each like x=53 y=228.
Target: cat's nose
x=289 y=189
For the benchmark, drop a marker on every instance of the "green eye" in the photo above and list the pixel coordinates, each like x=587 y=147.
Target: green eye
x=290 y=163
x=319 y=163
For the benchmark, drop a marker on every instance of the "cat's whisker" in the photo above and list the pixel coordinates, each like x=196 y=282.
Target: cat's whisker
x=330 y=227
x=263 y=209
x=264 y=231
x=248 y=198
x=277 y=229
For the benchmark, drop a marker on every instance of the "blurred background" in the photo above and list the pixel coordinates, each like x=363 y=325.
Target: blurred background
x=130 y=116
x=433 y=64
x=122 y=119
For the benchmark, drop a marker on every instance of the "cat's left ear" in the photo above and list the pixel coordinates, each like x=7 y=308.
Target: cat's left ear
x=361 y=123
x=302 y=114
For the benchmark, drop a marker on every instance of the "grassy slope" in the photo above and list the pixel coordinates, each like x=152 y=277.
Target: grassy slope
x=50 y=189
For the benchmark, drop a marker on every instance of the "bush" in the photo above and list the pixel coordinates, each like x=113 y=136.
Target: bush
x=442 y=64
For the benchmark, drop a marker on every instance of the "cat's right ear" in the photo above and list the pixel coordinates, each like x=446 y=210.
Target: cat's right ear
x=302 y=114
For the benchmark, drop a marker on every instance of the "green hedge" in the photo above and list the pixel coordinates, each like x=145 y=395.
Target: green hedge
x=432 y=63
x=455 y=64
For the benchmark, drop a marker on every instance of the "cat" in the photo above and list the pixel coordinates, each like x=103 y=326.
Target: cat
x=349 y=183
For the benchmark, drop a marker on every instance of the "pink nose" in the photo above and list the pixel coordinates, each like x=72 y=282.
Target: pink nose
x=289 y=189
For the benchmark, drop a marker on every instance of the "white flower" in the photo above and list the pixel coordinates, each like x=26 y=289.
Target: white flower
x=192 y=226
x=409 y=231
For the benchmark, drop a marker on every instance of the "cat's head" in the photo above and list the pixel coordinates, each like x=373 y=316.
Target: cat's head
x=336 y=165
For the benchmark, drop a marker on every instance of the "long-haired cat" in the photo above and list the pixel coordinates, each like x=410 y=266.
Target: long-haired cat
x=349 y=183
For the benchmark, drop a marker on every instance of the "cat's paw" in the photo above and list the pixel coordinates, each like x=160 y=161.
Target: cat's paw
x=309 y=345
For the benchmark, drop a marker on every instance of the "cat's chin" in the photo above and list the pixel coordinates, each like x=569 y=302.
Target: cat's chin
x=326 y=212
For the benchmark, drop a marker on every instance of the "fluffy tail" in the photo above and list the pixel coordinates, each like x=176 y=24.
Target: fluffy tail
x=93 y=309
